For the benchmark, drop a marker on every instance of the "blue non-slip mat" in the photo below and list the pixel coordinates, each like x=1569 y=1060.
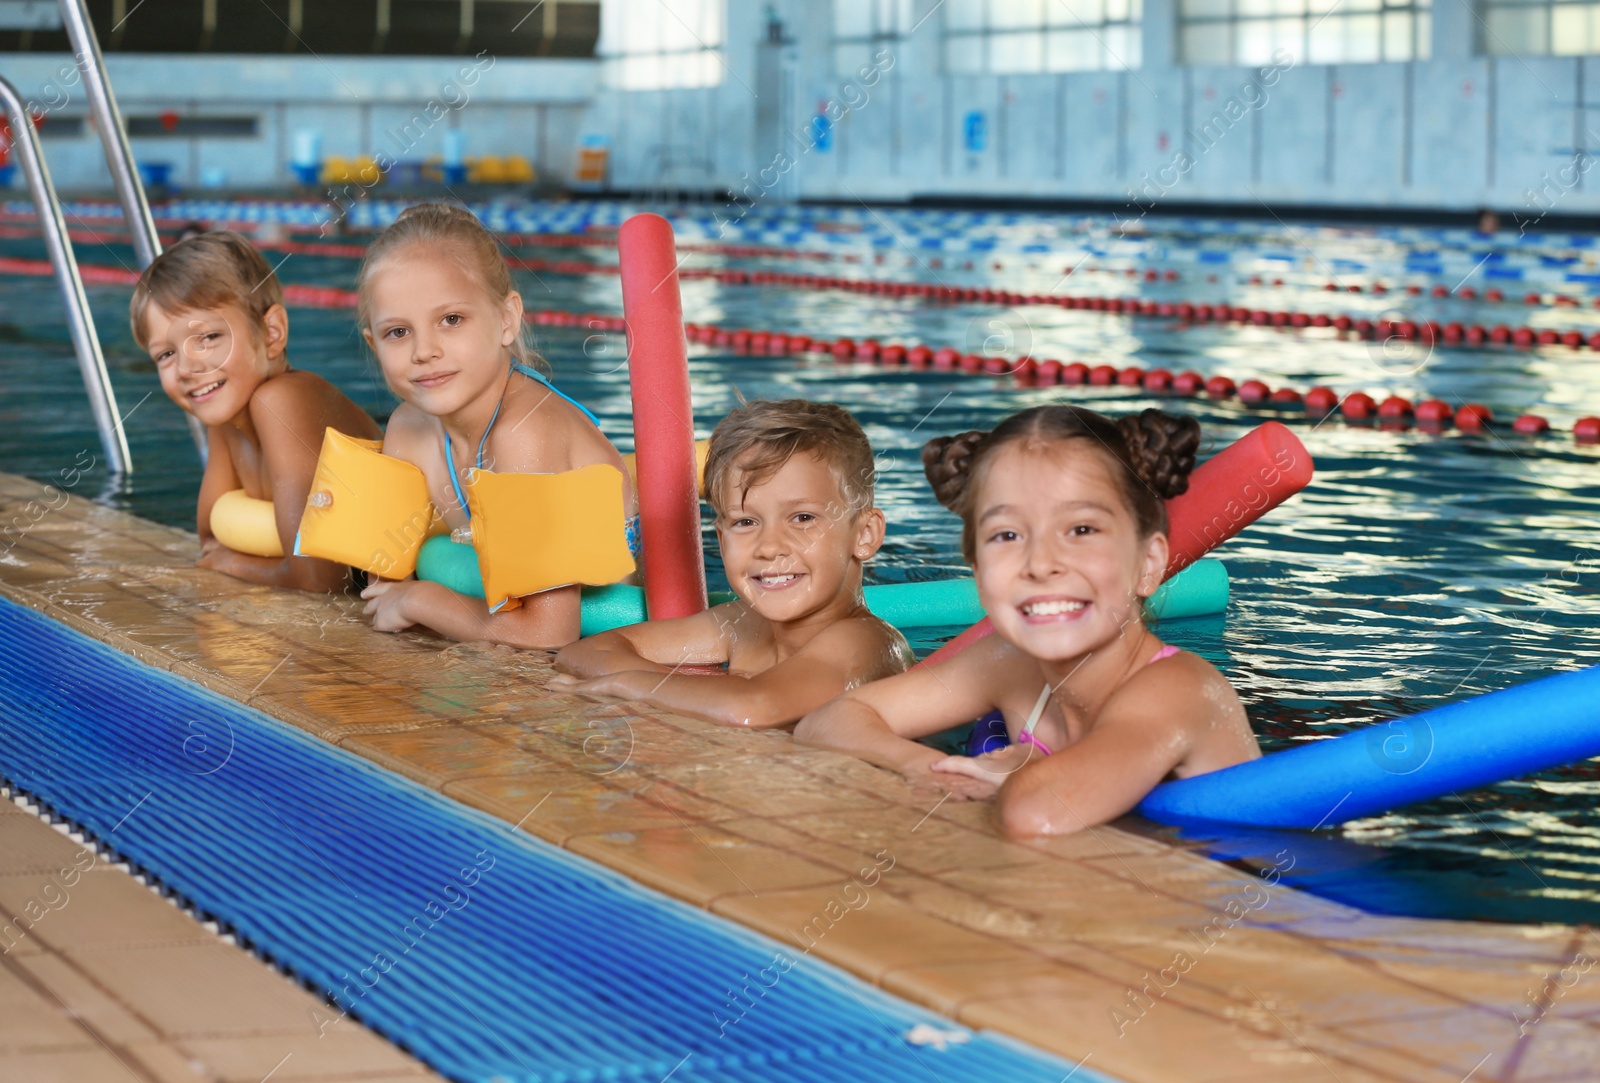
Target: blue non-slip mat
x=486 y=953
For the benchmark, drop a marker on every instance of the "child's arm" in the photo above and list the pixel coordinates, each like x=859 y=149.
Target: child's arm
x=655 y=646
x=846 y=654
x=219 y=478
x=878 y=722
x=544 y=621
x=288 y=420
x=1146 y=730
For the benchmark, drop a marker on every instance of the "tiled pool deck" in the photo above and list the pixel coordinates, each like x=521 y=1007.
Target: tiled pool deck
x=1153 y=963
x=103 y=981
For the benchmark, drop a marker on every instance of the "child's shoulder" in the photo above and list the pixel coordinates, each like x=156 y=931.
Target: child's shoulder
x=408 y=426
x=292 y=388
x=871 y=640
x=1174 y=685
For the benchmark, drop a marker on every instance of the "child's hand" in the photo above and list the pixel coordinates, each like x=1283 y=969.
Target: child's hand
x=216 y=557
x=955 y=786
x=386 y=604
x=989 y=770
x=607 y=684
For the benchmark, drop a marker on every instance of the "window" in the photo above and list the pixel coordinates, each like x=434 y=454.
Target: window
x=1545 y=27
x=465 y=28
x=1310 y=31
x=651 y=44
x=1040 y=35
x=862 y=27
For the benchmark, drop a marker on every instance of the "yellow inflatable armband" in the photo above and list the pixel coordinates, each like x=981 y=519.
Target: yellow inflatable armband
x=701 y=449
x=534 y=532
x=366 y=509
x=246 y=525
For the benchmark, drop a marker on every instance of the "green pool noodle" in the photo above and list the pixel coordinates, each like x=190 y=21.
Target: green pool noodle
x=1199 y=590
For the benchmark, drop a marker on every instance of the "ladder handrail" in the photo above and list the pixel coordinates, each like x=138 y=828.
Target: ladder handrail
x=85 y=343
x=119 y=156
x=113 y=136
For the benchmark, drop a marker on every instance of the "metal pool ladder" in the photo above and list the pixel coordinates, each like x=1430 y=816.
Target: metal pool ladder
x=102 y=400
x=135 y=212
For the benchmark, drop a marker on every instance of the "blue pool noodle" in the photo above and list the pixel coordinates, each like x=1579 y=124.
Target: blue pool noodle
x=1460 y=746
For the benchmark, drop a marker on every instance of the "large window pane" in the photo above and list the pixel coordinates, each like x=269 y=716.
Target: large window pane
x=1042 y=35
x=1016 y=52
x=1015 y=14
x=1252 y=41
x=1397 y=35
x=963 y=14
x=1122 y=46
x=653 y=44
x=1569 y=30
x=851 y=19
x=1327 y=41
x=1516 y=30
x=1251 y=32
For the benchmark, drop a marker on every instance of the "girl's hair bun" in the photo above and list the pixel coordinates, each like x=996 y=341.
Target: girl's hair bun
x=1161 y=449
x=947 y=462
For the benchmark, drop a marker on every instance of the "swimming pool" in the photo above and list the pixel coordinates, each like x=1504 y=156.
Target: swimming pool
x=1415 y=570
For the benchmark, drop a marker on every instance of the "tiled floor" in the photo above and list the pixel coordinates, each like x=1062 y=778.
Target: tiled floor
x=101 y=979
x=1149 y=962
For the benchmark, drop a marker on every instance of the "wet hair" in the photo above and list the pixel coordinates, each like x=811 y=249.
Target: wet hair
x=448 y=231
x=205 y=272
x=754 y=442
x=1151 y=455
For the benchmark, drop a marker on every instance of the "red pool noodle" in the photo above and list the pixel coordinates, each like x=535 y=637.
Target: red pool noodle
x=1226 y=493
x=663 y=420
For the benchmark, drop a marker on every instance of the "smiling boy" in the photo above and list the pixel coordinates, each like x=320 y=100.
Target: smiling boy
x=209 y=311
x=791 y=484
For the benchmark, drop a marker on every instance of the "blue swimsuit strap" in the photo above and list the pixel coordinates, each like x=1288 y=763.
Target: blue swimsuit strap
x=535 y=374
x=532 y=374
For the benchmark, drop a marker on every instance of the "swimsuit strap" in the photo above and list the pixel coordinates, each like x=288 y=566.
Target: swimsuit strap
x=535 y=374
x=532 y=374
x=1026 y=736
x=449 y=458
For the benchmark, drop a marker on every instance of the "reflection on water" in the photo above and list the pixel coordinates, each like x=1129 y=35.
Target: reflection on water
x=1414 y=571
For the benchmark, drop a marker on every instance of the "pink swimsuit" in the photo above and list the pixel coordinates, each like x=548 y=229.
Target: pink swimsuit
x=1027 y=737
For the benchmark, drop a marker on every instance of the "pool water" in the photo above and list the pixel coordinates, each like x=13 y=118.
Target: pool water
x=1415 y=570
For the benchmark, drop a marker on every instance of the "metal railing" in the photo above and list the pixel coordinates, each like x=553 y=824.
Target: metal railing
x=85 y=343
x=119 y=156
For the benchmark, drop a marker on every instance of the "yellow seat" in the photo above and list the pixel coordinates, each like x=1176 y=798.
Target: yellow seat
x=518 y=170
x=335 y=170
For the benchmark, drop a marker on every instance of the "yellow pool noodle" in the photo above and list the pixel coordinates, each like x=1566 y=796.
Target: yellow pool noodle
x=246 y=525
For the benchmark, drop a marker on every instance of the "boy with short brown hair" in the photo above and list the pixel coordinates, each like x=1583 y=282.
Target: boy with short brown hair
x=791 y=484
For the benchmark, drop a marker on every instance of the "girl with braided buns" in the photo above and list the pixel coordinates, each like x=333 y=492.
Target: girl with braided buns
x=1064 y=524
